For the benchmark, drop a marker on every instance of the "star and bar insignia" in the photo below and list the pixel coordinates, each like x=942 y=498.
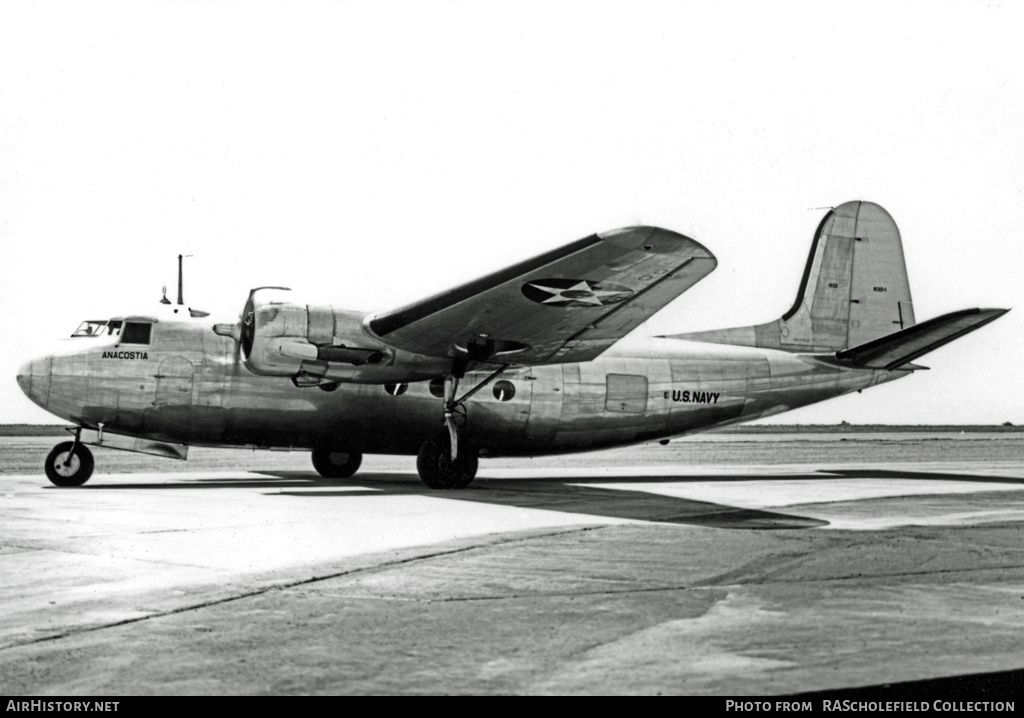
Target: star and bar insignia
x=575 y=293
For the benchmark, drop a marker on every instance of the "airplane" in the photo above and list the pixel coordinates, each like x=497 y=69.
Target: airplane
x=534 y=348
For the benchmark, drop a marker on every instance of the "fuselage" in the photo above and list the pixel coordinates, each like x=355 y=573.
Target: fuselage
x=188 y=385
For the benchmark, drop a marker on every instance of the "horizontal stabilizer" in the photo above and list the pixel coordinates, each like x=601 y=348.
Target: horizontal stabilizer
x=896 y=350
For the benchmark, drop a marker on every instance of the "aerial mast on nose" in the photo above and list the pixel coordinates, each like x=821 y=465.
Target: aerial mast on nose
x=181 y=297
x=181 y=290
x=181 y=300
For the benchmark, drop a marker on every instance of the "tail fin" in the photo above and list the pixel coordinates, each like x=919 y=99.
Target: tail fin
x=854 y=289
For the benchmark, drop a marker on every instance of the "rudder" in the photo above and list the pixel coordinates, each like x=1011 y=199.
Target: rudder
x=855 y=285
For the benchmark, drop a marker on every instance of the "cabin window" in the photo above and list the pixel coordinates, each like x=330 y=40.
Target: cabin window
x=136 y=333
x=504 y=390
x=626 y=393
x=437 y=387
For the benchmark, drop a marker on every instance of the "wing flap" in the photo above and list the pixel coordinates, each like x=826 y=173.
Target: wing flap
x=896 y=350
x=566 y=305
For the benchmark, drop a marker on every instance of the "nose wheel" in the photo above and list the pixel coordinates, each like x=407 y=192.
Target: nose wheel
x=69 y=464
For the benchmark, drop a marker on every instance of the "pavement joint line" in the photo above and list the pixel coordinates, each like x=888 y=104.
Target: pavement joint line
x=515 y=596
x=556 y=594
x=293 y=584
x=865 y=577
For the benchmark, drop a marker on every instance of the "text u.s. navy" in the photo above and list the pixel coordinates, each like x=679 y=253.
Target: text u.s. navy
x=542 y=335
x=695 y=397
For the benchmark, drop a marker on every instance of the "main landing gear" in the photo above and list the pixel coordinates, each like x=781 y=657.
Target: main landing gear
x=439 y=470
x=445 y=461
x=70 y=463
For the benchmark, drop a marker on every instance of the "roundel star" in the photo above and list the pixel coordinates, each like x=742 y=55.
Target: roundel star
x=574 y=293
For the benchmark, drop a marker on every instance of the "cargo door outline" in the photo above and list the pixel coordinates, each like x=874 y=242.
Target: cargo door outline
x=626 y=393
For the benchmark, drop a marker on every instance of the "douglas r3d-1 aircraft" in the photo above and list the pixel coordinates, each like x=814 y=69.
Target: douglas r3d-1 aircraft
x=534 y=344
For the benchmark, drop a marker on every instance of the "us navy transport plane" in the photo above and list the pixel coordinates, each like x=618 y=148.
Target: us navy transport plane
x=522 y=362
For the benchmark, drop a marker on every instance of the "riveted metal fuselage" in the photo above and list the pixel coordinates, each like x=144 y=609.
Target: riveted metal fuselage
x=189 y=386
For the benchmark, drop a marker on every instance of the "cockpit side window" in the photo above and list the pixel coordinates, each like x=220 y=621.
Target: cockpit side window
x=136 y=333
x=91 y=328
x=114 y=327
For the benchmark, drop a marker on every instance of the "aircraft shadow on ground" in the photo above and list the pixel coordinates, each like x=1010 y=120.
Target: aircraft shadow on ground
x=575 y=495
x=921 y=476
x=975 y=686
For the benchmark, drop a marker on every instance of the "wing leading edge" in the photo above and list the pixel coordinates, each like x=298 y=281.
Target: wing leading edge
x=567 y=305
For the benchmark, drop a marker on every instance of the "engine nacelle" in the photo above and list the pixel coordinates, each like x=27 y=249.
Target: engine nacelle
x=309 y=343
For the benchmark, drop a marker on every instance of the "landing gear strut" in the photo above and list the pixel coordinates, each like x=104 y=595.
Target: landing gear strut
x=444 y=462
x=70 y=463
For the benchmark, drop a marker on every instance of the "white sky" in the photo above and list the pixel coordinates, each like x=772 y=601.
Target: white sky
x=372 y=153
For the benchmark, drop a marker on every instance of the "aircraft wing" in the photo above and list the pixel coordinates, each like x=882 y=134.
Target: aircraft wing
x=567 y=305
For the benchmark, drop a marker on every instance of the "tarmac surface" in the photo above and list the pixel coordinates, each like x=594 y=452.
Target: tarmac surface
x=724 y=565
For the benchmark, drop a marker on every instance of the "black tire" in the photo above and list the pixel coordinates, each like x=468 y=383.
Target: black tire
x=78 y=466
x=436 y=468
x=336 y=464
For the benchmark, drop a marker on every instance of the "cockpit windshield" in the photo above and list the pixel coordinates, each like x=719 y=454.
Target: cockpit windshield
x=98 y=327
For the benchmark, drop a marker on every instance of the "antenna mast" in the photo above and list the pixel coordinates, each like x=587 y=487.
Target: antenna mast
x=180 y=298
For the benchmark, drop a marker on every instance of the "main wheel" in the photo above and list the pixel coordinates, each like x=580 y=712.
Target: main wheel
x=336 y=464
x=436 y=468
x=64 y=468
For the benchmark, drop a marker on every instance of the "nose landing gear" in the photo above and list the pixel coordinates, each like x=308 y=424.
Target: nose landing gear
x=69 y=464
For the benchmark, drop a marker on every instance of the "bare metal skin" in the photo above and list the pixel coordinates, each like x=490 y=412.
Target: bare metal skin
x=520 y=363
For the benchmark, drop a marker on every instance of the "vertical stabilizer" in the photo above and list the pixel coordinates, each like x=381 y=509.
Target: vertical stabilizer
x=854 y=288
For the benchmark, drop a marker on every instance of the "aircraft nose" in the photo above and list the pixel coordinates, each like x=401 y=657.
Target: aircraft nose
x=25 y=377
x=34 y=379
